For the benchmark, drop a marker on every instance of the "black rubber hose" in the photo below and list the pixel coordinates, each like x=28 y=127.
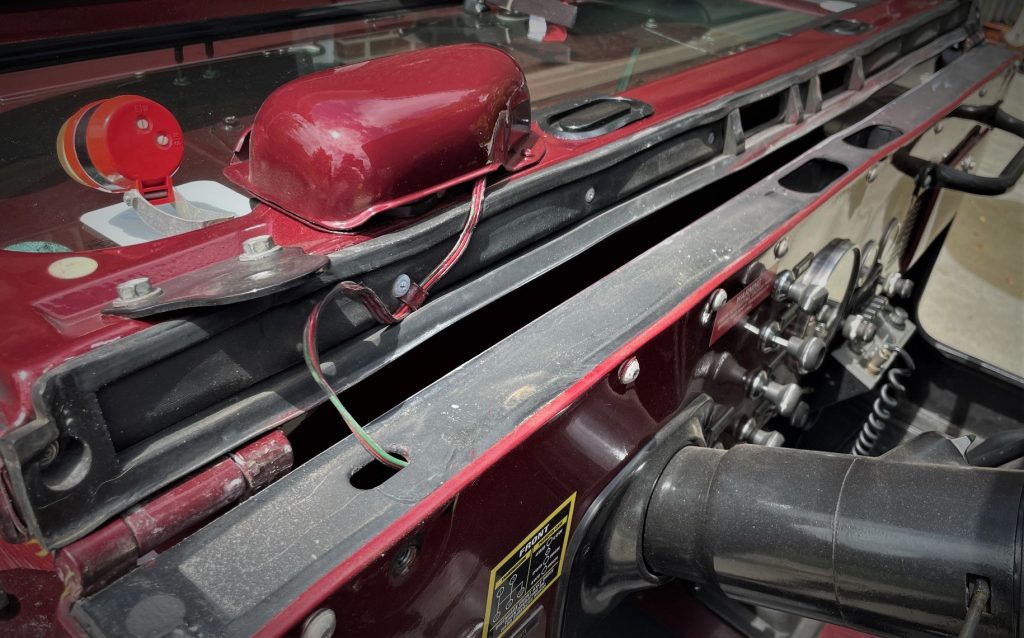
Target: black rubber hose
x=890 y=544
x=997 y=449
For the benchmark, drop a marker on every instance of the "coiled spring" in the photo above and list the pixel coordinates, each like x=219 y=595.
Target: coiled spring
x=888 y=400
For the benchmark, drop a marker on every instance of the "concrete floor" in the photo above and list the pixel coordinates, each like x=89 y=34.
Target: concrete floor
x=974 y=298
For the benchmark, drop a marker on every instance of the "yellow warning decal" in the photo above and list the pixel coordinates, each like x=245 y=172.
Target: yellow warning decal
x=528 y=571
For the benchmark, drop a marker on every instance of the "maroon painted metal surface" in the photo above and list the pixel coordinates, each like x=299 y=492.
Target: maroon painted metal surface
x=111 y=551
x=54 y=320
x=50 y=320
x=576 y=443
x=337 y=147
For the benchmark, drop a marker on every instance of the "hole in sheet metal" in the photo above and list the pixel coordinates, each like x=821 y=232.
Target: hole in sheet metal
x=813 y=175
x=874 y=136
x=374 y=473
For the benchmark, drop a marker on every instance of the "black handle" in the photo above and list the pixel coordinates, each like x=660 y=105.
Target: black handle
x=948 y=177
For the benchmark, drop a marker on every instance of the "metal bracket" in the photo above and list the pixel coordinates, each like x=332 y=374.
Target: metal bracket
x=261 y=269
x=187 y=216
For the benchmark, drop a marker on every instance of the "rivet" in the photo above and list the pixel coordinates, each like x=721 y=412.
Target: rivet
x=715 y=302
x=781 y=248
x=320 y=624
x=983 y=92
x=938 y=127
x=872 y=174
x=590 y=194
x=629 y=370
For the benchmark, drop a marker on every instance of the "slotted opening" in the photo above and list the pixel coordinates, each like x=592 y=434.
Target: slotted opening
x=874 y=136
x=835 y=81
x=763 y=113
x=374 y=473
x=813 y=175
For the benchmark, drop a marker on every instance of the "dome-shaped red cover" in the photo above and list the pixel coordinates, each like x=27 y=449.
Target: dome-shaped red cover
x=337 y=147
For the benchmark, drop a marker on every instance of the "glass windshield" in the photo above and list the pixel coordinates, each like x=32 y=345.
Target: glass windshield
x=214 y=91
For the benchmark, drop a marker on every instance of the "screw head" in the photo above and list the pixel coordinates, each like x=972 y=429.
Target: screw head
x=938 y=127
x=983 y=92
x=230 y=122
x=629 y=370
x=872 y=174
x=49 y=453
x=781 y=248
x=320 y=624
x=590 y=194
x=401 y=285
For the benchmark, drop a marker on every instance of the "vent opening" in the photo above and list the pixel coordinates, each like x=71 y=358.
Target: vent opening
x=835 y=81
x=874 y=136
x=813 y=175
x=763 y=113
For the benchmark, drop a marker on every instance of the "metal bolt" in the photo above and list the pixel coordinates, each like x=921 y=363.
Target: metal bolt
x=590 y=194
x=718 y=299
x=49 y=453
x=898 y=317
x=872 y=174
x=258 y=247
x=781 y=248
x=968 y=164
x=134 y=288
x=401 y=285
x=938 y=127
x=714 y=304
x=320 y=624
x=983 y=92
x=629 y=370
